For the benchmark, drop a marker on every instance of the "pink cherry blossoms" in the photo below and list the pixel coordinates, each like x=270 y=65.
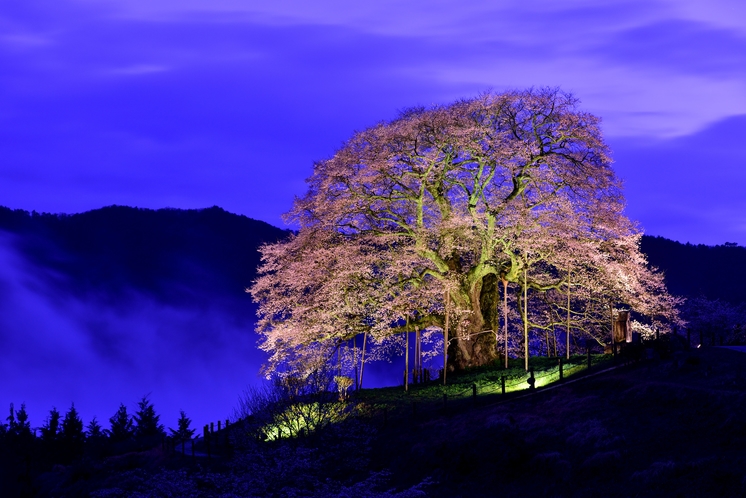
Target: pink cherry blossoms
x=503 y=203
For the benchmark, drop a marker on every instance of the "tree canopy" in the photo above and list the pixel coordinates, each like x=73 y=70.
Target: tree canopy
x=418 y=220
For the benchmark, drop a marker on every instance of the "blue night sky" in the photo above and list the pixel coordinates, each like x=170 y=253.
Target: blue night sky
x=195 y=103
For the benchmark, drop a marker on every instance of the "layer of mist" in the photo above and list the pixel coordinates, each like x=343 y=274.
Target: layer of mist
x=105 y=307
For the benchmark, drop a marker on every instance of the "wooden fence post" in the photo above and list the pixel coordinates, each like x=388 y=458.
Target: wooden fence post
x=531 y=380
x=561 y=374
x=502 y=383
x=207 y=440
x=589 y=355
x=227 y=438
x=474 y=392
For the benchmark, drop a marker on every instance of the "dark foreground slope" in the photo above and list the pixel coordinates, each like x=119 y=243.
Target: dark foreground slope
x=659 y=428
x=673 y=428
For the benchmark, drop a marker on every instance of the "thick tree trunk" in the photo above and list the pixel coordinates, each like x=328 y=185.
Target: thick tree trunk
x=477 y=345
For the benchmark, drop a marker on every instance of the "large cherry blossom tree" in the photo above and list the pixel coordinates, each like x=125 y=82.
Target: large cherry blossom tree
x=449 y=208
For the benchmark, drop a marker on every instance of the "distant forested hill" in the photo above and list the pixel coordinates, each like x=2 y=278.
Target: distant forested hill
x=715 y=272
x=175 y=256
x=179 y=256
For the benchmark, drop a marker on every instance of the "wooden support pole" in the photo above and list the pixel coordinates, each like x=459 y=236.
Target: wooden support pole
x=445 y=341
x=567 y=335
x=207 y=440
x=362 y=360
x=505 y=319
x=406 y=358
x=525 y=317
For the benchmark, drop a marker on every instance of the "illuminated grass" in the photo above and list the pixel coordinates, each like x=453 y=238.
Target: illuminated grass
x=304 y=418
x=487 y=379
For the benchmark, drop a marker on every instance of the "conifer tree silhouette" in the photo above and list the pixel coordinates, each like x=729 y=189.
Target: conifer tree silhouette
x=51 y=428
x=147 y=429
x=94 y=429
x=122 y=427
x=18 y=424
x=11 y=419
x=95 y=441
x=50 y=436
x=72 y=435
x=183 y=432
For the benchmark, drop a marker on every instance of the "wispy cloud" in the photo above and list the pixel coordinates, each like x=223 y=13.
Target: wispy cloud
x=26 y=40
x=621 y=57
x=256 y=77
x=138 y=69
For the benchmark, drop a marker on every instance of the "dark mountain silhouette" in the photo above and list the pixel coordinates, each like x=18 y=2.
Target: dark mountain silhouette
x=715 y=272
x=175 y=256
x=180 y=256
